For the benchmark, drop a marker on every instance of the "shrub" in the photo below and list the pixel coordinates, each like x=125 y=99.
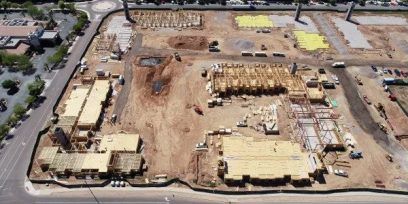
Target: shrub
x=36 y=87
x=8 y=84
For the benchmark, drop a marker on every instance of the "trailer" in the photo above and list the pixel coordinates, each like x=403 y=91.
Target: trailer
x=247 y=53
x=260 y=54
x=278 y=54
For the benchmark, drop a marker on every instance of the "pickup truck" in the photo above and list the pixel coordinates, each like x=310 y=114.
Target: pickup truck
x=340 y=172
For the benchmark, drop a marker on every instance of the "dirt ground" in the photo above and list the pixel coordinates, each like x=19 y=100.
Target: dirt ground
x=168 y=125
x=188 y=42
x=219 y=26
x=380 y=36
x=161 y=99
x=373 y=89
x=366 y=171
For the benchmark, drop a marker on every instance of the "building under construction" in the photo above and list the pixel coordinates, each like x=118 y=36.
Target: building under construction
x=316 y=126
x=116 y=154
x=176 y=19
x=80 y=112
x=255 y=79
x=264 y=161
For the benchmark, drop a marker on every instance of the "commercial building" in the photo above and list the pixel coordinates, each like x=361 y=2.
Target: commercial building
x=18 y=35
x=246 y=159
x=117 y=154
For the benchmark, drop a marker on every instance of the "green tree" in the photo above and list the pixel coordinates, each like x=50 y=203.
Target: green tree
x=14 y=5
x=59 y=55
x=4 y=129
x=30 y=99
x=24 y=63
x=36 y=87
x=19 y=110
x=12 y=120
x=71 y=7
x=61 y=4
x=8 y=84
x=35 y=12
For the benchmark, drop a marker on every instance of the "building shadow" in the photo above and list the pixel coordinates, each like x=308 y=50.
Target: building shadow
x=301 y=22
x=353 y=22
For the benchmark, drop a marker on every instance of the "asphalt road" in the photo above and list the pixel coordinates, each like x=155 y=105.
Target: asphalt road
x=339 y=7
x=15 y=158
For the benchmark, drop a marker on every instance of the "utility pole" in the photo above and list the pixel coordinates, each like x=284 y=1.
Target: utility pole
x=126 y=9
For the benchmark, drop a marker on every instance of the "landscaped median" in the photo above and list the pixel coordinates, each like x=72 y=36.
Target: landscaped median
x=19 y=110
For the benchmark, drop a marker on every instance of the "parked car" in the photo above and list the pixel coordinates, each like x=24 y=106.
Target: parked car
x=385 y=70
x=397 y=72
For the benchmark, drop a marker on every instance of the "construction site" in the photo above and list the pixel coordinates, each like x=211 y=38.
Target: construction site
x=232 y=100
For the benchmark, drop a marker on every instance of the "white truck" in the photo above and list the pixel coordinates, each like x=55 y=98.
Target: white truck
x=338 y=65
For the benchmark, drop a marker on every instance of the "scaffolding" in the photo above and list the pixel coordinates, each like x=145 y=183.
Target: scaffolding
x=176 y=19
x=315 y=126
x=255 y=79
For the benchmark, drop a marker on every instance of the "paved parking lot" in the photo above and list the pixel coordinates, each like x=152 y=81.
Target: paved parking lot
x=66 y=22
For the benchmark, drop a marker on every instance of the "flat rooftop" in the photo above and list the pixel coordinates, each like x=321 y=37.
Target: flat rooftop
x=17 y=31
x=49 y=34
x=119 y=142
x=263 y=159
x=93 y=106
x=75 y=101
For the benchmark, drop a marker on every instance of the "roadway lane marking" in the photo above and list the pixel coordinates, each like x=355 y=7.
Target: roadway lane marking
x=41 y=117
x=21 y=151
x=153 y=202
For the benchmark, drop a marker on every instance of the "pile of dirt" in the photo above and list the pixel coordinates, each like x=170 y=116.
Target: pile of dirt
x=188 y=42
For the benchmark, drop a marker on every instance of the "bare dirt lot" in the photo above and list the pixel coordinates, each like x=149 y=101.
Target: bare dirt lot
x=167 y=122
x=159 y=102
x=188 y=42
x=219 y=26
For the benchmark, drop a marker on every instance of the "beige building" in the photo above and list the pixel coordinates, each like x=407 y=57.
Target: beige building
x=255 y=79
x=91 y=111
x=117 y=154
x=246 y=159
